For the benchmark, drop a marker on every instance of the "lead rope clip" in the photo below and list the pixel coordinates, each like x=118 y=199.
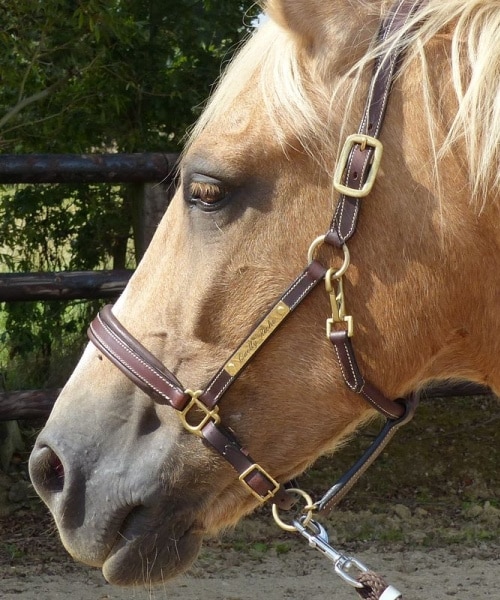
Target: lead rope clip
x=317 y=537
x=368 y=584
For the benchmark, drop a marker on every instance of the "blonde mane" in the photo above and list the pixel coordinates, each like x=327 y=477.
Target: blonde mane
x=271 y=60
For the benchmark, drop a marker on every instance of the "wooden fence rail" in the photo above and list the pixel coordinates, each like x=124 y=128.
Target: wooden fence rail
x=63 y=285
x=87 y=168
x=27 y=404
x=155 y=172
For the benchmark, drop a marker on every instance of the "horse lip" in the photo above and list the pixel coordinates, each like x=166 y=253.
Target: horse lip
x=135 y=558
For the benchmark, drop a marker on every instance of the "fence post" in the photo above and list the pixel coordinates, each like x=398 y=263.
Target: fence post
x=149 y=201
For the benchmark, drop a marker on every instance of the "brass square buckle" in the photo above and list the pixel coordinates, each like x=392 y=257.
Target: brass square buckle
x=363 y=141
x=259 y=469
x=208 y=414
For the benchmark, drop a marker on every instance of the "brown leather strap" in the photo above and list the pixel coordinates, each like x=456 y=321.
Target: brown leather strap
x=298 y=290
x=223 y=441
x=109 y=336
x=355 y=380
x=132 y=358
x=358 y=164
x=345 y=218
x=139 y=365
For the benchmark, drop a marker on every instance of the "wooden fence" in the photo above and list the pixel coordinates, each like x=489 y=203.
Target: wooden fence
x=155 y=172
x=152 y=174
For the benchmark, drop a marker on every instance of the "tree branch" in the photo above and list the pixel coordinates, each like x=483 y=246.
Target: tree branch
x=30 y=100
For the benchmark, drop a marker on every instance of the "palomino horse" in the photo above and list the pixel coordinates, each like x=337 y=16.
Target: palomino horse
x=131 y=489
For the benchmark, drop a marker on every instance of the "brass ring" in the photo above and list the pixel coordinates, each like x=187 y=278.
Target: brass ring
x=320 y=241
x=345 y=265
x=312 y=248
x=309 y=507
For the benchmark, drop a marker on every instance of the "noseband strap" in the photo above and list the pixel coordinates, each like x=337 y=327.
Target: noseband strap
x=199 y=410
x=132 y=358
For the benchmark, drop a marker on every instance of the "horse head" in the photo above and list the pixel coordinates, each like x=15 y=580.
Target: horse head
x=131 y=490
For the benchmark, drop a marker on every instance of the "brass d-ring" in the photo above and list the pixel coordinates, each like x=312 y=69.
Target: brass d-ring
x=308 y=509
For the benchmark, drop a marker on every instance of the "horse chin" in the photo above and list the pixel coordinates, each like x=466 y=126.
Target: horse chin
x=145 y=547
x=143 y=555
x=129 y=565
x=151 y=550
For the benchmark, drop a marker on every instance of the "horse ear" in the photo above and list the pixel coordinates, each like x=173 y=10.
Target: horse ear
x=309 y=20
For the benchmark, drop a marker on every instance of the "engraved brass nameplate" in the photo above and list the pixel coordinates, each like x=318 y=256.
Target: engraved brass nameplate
x=245 y=352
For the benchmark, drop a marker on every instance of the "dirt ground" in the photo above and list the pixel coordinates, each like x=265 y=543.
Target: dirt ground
x=435 y=573
x=259 y=561
x=426 y=517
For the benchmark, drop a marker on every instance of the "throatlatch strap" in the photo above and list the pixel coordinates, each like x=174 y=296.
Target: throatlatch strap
x=356 y=382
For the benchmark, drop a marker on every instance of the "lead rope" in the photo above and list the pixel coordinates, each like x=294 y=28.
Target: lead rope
x=368 y=584
x=376 y=588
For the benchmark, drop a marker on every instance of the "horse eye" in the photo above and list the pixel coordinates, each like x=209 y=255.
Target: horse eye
x=206 y=194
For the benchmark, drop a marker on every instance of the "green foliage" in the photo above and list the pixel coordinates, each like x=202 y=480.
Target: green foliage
x=14 y=551
x=83 y=76
x=55 y=228
x=109 y=73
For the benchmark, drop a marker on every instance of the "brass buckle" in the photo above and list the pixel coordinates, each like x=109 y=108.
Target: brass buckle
x=259 y=469
x=209 y=414
x=362 y=140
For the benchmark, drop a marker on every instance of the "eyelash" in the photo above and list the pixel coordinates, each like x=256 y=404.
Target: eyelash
x=206 y=195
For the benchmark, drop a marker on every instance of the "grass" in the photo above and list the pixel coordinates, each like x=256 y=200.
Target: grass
x=449 y=453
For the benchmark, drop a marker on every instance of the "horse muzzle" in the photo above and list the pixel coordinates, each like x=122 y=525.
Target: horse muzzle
x=114 y=514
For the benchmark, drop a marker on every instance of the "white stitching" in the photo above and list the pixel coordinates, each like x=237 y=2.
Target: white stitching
x=304 y=293
x=376 y=404
x=137 y=358
x=224 y=388
x=294 y=285
x=350 y=385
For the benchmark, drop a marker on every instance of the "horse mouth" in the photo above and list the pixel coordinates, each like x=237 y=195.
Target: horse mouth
x=148 y=550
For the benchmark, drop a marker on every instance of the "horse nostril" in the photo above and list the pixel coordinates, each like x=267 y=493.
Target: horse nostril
x=47 y=471
x=57 y=470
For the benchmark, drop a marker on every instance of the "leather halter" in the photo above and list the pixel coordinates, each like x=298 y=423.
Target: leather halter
x=354 y=178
